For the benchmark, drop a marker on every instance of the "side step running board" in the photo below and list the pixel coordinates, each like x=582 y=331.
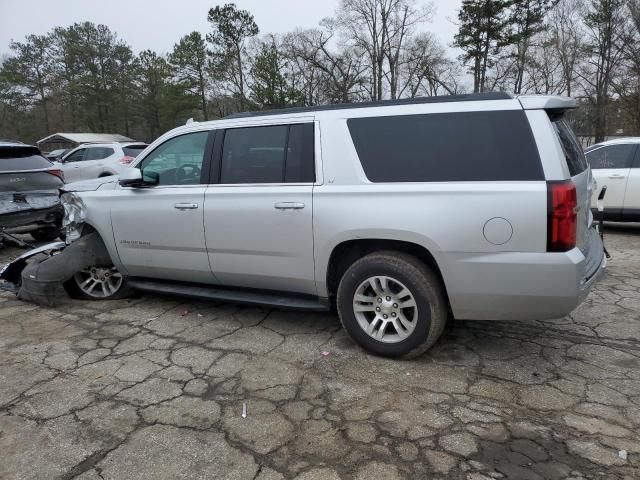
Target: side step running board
x=251 y=297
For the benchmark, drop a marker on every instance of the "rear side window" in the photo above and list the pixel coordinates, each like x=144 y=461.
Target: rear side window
x=98 y=153
x=12 y=159
x=133 y=150
x=271 y=154
x=613 y=156
x=447 y=147
x=573 y=153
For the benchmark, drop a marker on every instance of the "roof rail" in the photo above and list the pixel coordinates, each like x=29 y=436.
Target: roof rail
x=470 y=97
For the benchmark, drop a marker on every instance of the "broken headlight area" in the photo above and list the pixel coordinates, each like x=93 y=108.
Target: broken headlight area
x=74 y=216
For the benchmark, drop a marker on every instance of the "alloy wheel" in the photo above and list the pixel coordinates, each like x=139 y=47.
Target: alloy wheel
x=99 y=282
x=385 y=309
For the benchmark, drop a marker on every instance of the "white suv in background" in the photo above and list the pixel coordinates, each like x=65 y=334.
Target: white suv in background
x=98 y=160
x=616 y=165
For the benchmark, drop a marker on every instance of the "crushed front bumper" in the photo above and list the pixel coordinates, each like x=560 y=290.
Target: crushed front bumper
x=11 y=273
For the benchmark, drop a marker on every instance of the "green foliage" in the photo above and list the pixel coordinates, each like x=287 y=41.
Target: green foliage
x=191 y=63
x=84 y=78
x=484 y=29
x=271 y=87
x=231 y=28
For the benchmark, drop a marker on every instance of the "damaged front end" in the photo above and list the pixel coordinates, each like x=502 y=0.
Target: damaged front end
x=38 y=275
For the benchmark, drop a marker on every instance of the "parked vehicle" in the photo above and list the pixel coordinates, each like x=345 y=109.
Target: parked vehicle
x=99 y=160
x=29 y=192
x=616 y=165
x=399 y=213
x=56 y=155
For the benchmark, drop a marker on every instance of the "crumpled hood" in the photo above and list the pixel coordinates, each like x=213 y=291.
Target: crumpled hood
x=102 y=183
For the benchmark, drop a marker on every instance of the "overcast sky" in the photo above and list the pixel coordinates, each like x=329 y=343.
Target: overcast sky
x=158 y=24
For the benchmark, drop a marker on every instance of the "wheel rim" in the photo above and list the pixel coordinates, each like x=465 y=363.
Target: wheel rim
x=385 y=309
x=99 y=282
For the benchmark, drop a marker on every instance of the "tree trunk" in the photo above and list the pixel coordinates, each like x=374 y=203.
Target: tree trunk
x=203 y=96
x=240 y=77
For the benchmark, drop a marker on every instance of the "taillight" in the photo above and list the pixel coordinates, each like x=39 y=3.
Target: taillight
x=56 y=173
x=562 y=216
x=126 y=160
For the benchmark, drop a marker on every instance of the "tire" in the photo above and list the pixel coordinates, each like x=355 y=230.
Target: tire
x=111 y=291
x=425 y=315
x=47 y=234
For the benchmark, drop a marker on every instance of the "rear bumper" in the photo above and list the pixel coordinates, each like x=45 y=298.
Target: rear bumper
x=26 y=221
x=522 y=286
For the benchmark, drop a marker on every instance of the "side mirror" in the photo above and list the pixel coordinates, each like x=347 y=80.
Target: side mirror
x=130 y=177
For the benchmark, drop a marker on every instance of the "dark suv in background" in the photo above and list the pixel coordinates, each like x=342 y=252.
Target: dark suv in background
x=29 y=196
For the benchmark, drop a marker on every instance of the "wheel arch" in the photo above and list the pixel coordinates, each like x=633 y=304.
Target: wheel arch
x=347 y=252
x=89 y=227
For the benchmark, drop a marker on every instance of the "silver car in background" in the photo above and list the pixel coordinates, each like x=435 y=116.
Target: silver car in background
x=400 y=214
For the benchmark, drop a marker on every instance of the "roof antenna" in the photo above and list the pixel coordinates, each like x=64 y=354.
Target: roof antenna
x=190 y=121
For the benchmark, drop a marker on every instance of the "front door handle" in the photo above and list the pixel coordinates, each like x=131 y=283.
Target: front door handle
x=186 y=206
x=289 y=205
x=617 y=176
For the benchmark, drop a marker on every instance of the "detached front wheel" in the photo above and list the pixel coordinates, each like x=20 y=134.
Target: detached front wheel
x=392 y=304
x=97 y=283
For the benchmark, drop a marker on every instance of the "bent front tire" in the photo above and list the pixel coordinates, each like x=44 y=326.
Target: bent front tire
x=97 y=283
x=392 y=304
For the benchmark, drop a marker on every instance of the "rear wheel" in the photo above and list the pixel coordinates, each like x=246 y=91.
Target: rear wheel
x=46 y=234
x=392 y=304
x=97 y=283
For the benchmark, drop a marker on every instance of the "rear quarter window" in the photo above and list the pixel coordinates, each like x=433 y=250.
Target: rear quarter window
x=133 y=150
x=447 y=147
x=12 y=159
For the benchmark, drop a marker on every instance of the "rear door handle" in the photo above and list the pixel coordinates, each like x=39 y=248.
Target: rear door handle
x=289 y=205
x=186 y=206
x=617 y=176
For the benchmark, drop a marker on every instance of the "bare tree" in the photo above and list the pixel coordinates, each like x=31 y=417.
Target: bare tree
x=608 y=35
x=567 y=36
x=628 y=86
x=544 y=73
x=426 y=70
x=380 y=29
x=343 y=68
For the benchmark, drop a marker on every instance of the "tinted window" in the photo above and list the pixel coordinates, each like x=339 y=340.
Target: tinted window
x=177 y=161
x=300 y=165
x=133 y=150
x=75 y=156
x=12 y=159
x=273 y=154
x=614 y=156
x=573 y=153
x=98 y=153
x=466 y=146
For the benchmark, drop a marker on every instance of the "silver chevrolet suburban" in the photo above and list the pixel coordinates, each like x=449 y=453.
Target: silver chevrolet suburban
x=400 y=214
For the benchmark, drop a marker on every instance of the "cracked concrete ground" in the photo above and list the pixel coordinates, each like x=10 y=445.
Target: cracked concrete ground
x=153 y=387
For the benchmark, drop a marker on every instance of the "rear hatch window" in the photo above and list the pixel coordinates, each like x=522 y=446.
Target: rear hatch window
x=573 y=153
x=133 y=150
x=22 y=158
x=581 y=177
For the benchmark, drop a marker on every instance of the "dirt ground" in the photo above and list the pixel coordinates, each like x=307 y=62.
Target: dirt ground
x=153 y=387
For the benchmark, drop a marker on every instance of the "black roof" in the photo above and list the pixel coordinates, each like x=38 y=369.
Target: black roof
x=470 y=97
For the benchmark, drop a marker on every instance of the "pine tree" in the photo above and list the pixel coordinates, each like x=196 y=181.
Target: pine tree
x=483 y=30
